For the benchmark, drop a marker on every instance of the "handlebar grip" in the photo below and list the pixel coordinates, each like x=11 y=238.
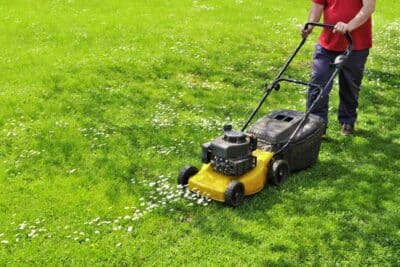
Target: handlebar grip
x=318 y=24
x=330 y=26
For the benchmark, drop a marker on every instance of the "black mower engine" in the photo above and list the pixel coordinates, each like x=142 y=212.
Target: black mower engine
x=231 y=154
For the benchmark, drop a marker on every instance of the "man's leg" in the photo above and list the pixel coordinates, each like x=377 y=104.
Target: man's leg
x=350 y=78
x=322 y=70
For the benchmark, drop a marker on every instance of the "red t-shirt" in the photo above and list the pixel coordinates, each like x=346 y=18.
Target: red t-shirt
x=345 y=11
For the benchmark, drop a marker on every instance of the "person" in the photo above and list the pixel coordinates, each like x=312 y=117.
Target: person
x=353 y=16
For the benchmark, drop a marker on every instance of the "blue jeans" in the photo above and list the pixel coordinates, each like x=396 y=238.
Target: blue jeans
x=350 y=77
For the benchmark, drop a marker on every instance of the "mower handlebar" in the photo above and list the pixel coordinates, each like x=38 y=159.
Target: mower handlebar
x=275 y=83
x=330 y=26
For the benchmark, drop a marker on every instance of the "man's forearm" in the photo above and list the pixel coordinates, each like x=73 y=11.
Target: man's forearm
x=363 y=15
x=315 y=12
x=314 y=16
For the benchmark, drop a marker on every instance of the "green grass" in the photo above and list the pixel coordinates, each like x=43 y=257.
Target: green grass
x=100 y=99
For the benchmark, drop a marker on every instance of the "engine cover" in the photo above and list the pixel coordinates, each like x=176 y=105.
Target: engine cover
x=231 y=154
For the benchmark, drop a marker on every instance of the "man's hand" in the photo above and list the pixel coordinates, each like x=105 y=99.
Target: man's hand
x=341 y=27
x=305 y=32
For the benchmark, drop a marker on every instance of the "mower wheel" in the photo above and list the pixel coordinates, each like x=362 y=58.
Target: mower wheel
x=234 y=194
x=278 y=172
x=185 y=174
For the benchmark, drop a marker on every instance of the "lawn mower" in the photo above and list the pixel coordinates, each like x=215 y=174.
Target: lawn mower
x=241 y=163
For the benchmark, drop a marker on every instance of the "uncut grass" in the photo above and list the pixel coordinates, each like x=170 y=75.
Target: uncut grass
x=93 y=99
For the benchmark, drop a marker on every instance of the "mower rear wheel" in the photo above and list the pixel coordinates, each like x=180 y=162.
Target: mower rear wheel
x=234 y=194
x=185 y=174
x=278 y=172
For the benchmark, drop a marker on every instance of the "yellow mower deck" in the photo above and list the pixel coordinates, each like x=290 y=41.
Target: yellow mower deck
x=214 y=184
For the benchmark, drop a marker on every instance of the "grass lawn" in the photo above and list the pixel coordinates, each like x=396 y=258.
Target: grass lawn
x=102 y=103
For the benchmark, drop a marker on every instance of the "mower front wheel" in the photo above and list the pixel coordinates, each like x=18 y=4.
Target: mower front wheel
x=234 y=194
x=185 y=174
x=278 y=172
